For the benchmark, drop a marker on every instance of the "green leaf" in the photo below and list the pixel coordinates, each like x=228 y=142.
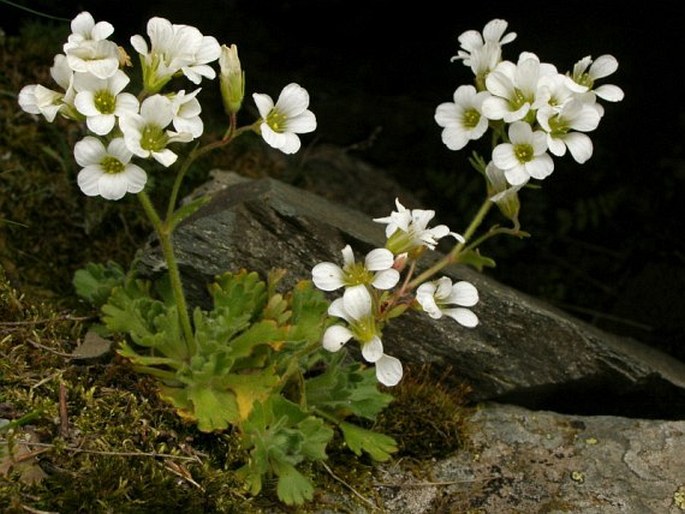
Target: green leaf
x=346 y=389
x=240 y=292
x=310 y=309
x=148 y=322
x=210 y=408
x=358 y=439
x=293 y=487
x=95 y=282
x=186 y=210
x=474 y=259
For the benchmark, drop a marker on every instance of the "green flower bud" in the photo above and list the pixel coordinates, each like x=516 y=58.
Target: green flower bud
x=232 y=79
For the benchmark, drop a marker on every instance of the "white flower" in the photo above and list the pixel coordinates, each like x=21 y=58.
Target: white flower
x=280 y=123
x=107 y=172
x=186 y=109
x=514 y=87
x=99 y=57
x=585 y=78
x=146 y=134
x=37 y=99
x=355 y=307
x=483 y=52
x=407 y=230
x=462 y=119
x=564 y=127
x=376 y=270
x=101 y=101
x=525 y=156
x=84 y=28
x=175 y=48
x=441 y=297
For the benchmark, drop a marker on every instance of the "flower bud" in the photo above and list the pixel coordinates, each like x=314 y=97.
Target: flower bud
x=500 y=192
x=232 y=79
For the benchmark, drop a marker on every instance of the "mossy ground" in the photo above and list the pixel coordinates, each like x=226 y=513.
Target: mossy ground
x=90 y=435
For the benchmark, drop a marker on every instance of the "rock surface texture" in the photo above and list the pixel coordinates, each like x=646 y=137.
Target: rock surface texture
x=566 y=418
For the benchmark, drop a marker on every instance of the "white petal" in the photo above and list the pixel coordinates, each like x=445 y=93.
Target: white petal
x=85 y=104
x=462 y=316
x=379 y=259
x=328 y=276
x=372 y=350
x=88 y=179
x=386 y=279
x=293 y=100
x=540 y=167
x=503 y=156
x=463 y=293
x=136 y=178
x=580 y=146
x=357 y=302
x=165 y=157
x=610 y=93
x=264 y=104
x=101 y=124
x=603 y=66
x=89 y=150
x=302 y=123
x=335 y=337
x=113 y=186
x=388 y=370
x=516 y=176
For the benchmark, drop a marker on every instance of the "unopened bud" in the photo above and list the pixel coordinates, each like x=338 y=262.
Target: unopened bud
x=502 y=193
x=232 y=79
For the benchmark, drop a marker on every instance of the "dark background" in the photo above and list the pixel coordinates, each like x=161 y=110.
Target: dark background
x=607 y=240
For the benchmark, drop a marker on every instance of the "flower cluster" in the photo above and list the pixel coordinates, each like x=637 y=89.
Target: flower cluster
x=91 y=75
x=538 y=110
x=368 y=300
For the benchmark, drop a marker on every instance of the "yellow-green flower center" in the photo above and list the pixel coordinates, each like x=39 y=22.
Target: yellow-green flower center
x=105 y=102
x=153 y=138
x=364 y=330
x=277 y=120
x=111 y=165
x=518 y=100
x=558 y=126
x=357 y=274
x=470 y=118
x=524 y=153
x=584 y=79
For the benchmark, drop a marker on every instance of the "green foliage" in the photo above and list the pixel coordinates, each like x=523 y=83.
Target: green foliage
x=255 y=365
x=95 y=282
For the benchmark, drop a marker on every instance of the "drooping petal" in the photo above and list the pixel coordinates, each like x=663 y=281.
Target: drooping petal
x=579 y=145
x=136 y=178
x=462 y=316
x=388 y=370
x=540 y=167
x=335 y=337
x=372 y=350
x=463 y=293
x=386 y=279
x=610 y=93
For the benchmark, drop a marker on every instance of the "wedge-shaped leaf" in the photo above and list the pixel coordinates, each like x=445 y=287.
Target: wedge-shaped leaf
x=358 y=439
x=474 y=259
x=276 y=309
x=148 y=322
x=251 y=389
x=293 y=488
x=241 y=293
x=310 y=309
x=214 y=329
x=281 y=435
x=261 y=333
x=346 y=389
x=95 y=282
x=210 y=408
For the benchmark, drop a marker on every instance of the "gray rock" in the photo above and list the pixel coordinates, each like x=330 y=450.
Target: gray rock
x=523 y=351
x=518 y=461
